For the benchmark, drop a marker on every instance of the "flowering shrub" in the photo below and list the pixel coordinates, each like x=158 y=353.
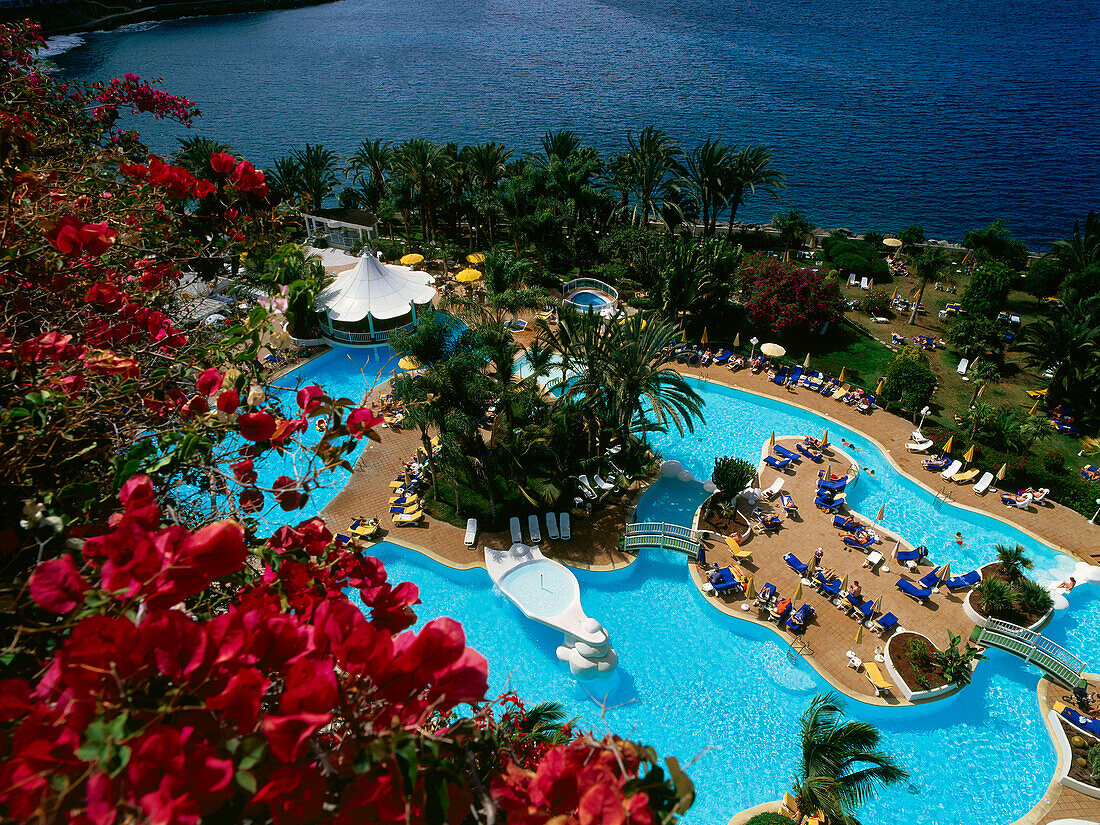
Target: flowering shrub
x=789 y=301
x=165 y=665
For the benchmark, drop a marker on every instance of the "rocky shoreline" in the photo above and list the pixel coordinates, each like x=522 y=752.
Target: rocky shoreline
x=82 y=16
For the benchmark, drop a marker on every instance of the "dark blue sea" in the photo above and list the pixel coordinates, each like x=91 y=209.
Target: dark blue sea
x=881 y=114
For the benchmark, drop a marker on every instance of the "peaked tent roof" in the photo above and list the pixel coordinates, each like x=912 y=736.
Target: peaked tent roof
x=371 y=287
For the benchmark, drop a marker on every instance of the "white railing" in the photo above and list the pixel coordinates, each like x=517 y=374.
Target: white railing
x=1027 y=643
x=662 y=528
x=661 y=541
x=594 y=284
x=362 y=337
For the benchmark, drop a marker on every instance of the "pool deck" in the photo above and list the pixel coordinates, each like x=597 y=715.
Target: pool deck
x=1060 y=802
x=827 y=640
x=1060 y=527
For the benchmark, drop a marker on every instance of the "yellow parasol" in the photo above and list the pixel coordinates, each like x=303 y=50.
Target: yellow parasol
x=411 y=259
x=840 y=378
x=806 y=363
x=895 y=295
x=877 y=607
x=881 y=512
x=950 y=443
x=409 y=363
x=798 y=592
x=705 y=339
x=1001 y=472
x=468 y=276
x=825 y=440
x=771 y=441
x=859 y=634
x=476 y=258
x=750 y=588
x=773 y=350
x=893 y=243
x=684 y=337
x=878 y=389
x=844 y=583
x=897 y=546
x=812 y=568
x=1034 y=408
x=737 y=340
x=969 y=454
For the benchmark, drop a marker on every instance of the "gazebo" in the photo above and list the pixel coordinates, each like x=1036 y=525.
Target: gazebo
x=371 y=300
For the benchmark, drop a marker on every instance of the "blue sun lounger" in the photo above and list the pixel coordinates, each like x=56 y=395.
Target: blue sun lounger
x=792 y=562
x=726 y=581
x=796 y=373
x=884 y=623
x=921 y=594
x=723 y=356
x=807 y=453
x=829 y=502
x=1079 y=720
x=777 y=465
x=783 y=451
x=835 y=486
x=966 y=580
x=831 y=589
x=863 y=612
x=787 y=503
x=844 y=523
x=915 y=555
x=781 y=376
x=1089 y=469
x=766 y=594
x=797 y=622
x=852 y=541
x=931 y=578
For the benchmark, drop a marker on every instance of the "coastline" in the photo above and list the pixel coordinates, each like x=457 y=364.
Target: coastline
x=77 y=18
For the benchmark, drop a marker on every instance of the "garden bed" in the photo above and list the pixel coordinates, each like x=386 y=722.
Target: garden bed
x=1079 y=750
x=1016 y=616
x=908 y=670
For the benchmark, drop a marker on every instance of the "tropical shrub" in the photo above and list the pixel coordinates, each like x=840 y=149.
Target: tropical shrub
x=987 y=291
x=769 y=819
x=909 y=379
x=1044 y=277
x=920 y=652
x=956 y=664
x=876 y=302
x=1032 y=598
x=996 y=598
x=859 y=257
x=1094 y=761
x=995 y=243
x=732 y=475
x=1014 y=560
x=973 y=336
x=787 y=301
x=912 y=235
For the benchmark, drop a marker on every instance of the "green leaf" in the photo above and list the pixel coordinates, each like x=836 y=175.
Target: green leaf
x=246 y=780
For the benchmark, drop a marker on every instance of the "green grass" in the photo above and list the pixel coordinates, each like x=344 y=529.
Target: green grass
x=863 y=359
x=474 y=505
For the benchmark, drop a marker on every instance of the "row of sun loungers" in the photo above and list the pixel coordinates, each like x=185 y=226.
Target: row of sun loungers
x=558 y=527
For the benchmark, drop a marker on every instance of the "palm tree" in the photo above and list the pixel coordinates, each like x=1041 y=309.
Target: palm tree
x=1082 y=248
x=285 y=178
x=841 y=765
x=751 y=169
x=793 y=228
x=927 y=266
x=556 y=146
x=194 y=154
x=370 y=164
x=702 y=173
x=649 y=164
x=1014 y=561
x=486 y=164
x=425 y=165
x=318 y=173
x=1067 y=340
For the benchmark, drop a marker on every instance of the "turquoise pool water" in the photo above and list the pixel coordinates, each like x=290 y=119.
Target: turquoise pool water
x=545 y=589
x=672 y=501
x=696 y=683
x=587 y=298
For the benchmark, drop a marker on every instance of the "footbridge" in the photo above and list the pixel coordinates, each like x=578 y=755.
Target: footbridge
x=663 y=535
x=1051 y=658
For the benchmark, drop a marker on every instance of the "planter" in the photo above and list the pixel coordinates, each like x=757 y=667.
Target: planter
x=982 y=621
x=1061 y=741
x=909 y=693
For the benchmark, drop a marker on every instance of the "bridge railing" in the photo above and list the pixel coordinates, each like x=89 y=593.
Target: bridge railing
x=1063 y=663
x=663 y=535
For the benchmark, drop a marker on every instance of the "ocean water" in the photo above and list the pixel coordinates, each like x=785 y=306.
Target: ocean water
x=948 y=114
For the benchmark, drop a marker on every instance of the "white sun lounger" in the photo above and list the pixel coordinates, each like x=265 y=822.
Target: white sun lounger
x=777 y=485
x=865 y=282
x=919 y=447
x=606 y=486
x=586 y=486
x=563 y=522
x=533 y=529
x=471 y=532
x=983 y=483
x=951 y=471
x=552 y=527
x=853 y=279
x=513 y=527
x=963 y=364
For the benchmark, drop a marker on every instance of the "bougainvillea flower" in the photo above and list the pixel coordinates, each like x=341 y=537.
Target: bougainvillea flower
x=56 y=585
x=209 y=381
x=361 y=421
x=256 y=426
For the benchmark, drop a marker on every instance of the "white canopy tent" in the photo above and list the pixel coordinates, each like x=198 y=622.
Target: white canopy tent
x=385 y=297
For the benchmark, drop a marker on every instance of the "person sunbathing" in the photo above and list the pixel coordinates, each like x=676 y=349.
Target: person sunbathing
x=769 y=522
x=855 y=593
x=810 y=441
x=1067 y=586
x=1091 y=475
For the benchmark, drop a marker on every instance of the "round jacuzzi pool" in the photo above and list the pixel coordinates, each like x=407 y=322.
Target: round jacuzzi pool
x=588 y=298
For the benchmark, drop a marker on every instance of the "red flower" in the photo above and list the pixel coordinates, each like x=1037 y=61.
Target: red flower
x=256 y=426
x=308 y=398
x=209 y=381
x=228 y=401
x=239 y=702
x=203 y=188
x=310 y=687
x=71 y=235
x=244 y=471
x=195 y=407
x=288 y=494
x=251 y=500
x=294 y=794
x=288 y=734
x=222 y=163
x=361 y=421
x=57 y=585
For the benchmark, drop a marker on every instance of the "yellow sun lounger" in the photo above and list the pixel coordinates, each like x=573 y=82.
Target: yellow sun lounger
x=402 y=519
x=789 y=806
x=843 y=391
x=736 y=550
x=877 y=680
x=969 y=475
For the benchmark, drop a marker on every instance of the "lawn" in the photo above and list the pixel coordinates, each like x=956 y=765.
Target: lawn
x=864 y=359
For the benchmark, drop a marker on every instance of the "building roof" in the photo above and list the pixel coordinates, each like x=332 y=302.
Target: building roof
x=374 y=288
x=355 y=218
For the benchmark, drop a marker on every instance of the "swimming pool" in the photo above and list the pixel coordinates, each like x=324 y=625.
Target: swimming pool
x=695 y=682
x=588 y=298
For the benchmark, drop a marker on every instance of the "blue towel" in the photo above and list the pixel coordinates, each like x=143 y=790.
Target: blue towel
x=831 y=589
x=852 y=541
x=864 y=611
x=777 y=465
x=807 y=453
x=792 y=562
x=966 y=580
x=910 y=555
x=885 y=622
x=796 y=373
x=828 y=502
x=930 y=578
x=1085 y=723
x=843 y=523
x=837 y=486
x=780 y=377
x=787 y=502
